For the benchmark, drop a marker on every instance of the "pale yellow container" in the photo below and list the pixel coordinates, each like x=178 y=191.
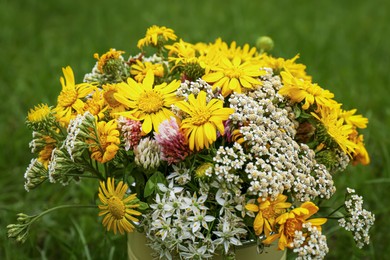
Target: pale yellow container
x=138 y=250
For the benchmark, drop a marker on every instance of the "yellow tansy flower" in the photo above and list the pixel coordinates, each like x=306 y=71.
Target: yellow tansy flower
x=156 y=35
x=203 y=121
x=148 y=103
x=118 y=210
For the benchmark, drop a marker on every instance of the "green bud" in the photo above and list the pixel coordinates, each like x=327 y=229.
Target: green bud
x=22 y=237
x=193 y=71
x=23 y=218
x=265 y=43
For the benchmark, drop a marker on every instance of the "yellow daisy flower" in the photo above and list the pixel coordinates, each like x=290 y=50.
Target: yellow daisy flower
x=231 y=76
x=118 y=211
x=45 y=154
x=148 y=103
x=156 y=35
x=140 y=69
x=112 y=54
x=278 y=65
x=268 y=211
x=40 y=116
x=70 y=100
x=108 y=96
x=360 y=154
x=292 y=221
x=336 y=128
x=95 y=104
x=245 y=53
x=39 y=113
x=181 y=52
x=105 y=141
x=299 y=90
x=203 y=121
x=356 y=120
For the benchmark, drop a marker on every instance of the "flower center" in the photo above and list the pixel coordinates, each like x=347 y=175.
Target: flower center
x=201 y=116
x=233 y=73
x=291 y=226
x=150 y=102
x=116 y=207
x=268 y=212
x=67 y=97
x=109 y=97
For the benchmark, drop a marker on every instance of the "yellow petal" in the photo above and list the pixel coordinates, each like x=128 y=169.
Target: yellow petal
x=147 y=124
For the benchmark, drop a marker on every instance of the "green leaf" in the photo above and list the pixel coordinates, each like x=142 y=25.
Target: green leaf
x=150 y=187
x=143 y=205
x=151 y=184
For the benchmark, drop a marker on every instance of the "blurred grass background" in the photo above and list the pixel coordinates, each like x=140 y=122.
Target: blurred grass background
x=345 y=45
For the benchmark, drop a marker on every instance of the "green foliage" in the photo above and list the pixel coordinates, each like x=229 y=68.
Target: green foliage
x=343 y=43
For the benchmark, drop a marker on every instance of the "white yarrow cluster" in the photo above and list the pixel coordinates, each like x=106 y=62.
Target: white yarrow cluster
x=228 y=162
x=359 y=220
x=313 y=246
x=194 y=87
x=278 y=163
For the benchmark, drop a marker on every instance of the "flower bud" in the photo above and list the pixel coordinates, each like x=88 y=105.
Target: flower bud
x=265 y=43
x=23 y=218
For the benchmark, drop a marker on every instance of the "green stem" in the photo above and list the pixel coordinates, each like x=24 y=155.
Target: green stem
x=82 y=176
x=335 y=217
x=334 y=211
x=60 y=207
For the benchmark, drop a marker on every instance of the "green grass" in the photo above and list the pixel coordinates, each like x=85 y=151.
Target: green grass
x=343 y=43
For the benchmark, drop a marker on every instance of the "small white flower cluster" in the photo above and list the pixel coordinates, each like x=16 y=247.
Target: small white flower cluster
x=77 y=128
x=94 y=76
x=61 y=164
x=37 y=143
x=313 y=246
x=180 y=223
x=181 y=174
x=359 y=220
x=177 y=224
x=194 y=87
x=229 y=232
x=35 y=174
x=343 y=161
x=152 y=59
x=278 y=163
x=228 y=161
x=148 y=153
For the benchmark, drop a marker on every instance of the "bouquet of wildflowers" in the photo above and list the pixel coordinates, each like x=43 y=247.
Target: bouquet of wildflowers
x=202 y=147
